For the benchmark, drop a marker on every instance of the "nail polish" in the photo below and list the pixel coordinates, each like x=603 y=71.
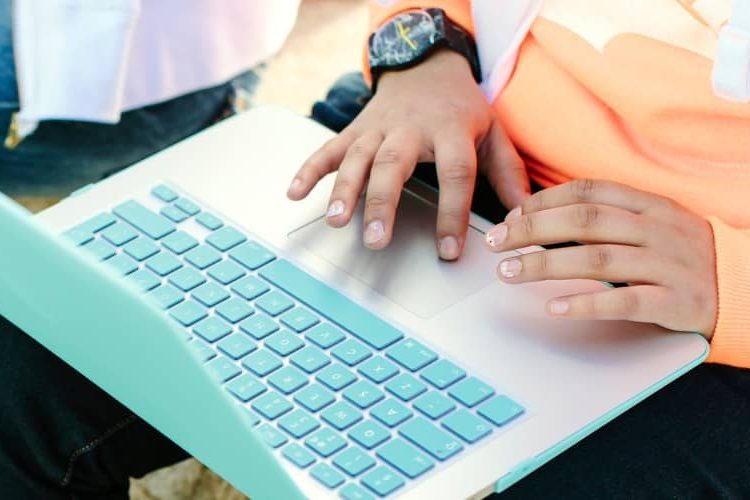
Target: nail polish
x=374 y=232
x=559 y=307
x=510 y=268
x=335 y=209
x=448 y=248
x=496 y=236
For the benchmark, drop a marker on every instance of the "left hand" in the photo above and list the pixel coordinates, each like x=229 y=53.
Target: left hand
x=663 y=251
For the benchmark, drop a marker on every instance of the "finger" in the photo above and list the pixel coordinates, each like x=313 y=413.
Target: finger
x=351 y=177
x=321 y=163
x=643 y=303
x=456 y=160
x=505 y=170
x=393 y=164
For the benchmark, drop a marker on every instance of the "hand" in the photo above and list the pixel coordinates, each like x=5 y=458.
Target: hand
x=663 y=251
x=434 y=111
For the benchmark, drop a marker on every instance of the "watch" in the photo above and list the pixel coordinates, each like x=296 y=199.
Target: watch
x=410 y=37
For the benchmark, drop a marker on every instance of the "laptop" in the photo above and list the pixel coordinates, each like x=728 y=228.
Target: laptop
x=291 y=360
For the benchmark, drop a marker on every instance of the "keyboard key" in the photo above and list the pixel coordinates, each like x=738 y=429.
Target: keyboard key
x=212 y=329
x=442 y=374
x=330 y=303
x=369 y=434
x=351 y=352
x=97 y=223
x=234 y=310
x=467 y=426
x=259 y=326
x=119 y=234
x=203 y=351
x=188 y=313
x=164 y=193
x=163 y=264
x=210 y=294
x=299 y=319
x=353 y=461
x=391 y=412
x=325 y=442
x=310 y=359
x=100 y=249
x=405 y=458
x=179 y=242
x=271 y=405
x=252 y=255
x=471 y=392
x=261 y=363
x=288 y=379
x=222 y=369
x=155 y=226
x=327 y=475
x=141 y=249
x=249 y=287
x=325 y=335
x=336 y=376
x=174 y=214
x=209 y=221
x=186 y=279
x=225 y=238
x=271 y=436
x=252 y=417
x=202 y=257
x=314 y=397
x=355 y=492
x=123 y=264
x=411 y=354
x=405 y=387
x=274 y=303
x=378 y=369
x=226 y=272
x=500 y=410
x=145 y=280
x=363 y=394
x=166 y=296
x=246 y=387
x=341 y=415
x=434 y=405
x=298 y=455
x=434 y=441
x=79 y=236
x=187 y=206
x=284 y=343
x=237 y=346
x=382 y=481
x=299 y=423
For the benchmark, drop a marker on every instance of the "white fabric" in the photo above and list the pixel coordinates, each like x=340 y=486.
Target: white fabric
x=731 y=74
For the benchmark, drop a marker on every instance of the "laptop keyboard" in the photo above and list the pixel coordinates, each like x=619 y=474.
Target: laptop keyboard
x=331 y=387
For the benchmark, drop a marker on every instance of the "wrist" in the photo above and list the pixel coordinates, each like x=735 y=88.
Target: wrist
x=440 y=64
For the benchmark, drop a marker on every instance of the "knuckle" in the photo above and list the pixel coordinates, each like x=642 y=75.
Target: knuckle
x=527 y=226
x=388 y=157
x=586 y=216
x=583 y=189
x=458 y=172
x=629 y=304
x=600 y=258
x=378 y=202
x=541 y=263
x=343 y=184
x=358 y=150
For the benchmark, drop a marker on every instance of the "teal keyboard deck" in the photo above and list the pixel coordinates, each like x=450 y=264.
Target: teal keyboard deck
x=331 y=387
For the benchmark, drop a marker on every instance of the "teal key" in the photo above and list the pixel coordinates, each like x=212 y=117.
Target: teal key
x=467 y=426
x=145 y=279
x=186 y=279
x=209 y=221
x=179 y=242
x=405 y=387
x=325 y=442
x=259 y=326
x=284 y=343
x=336 y=376
x=353 y=461
x=79 y=236
x=325 y=335
x=431 y=439
x=246 y=387
x=378 y=369
x=225 y=238
x=261 y=362
x=314 y=397
x=141 y=249
x=405 y=458
x=363 y=394
x=202 y=350
x=252 y=417
x=298 y=455
x=288 y=379
x=500 y=410
x=442 y=374
x=252 y=255
x=341 y=415
x=249 y=287
x=155 y=226
x=100 y=249
x=164 y=193
x=369 y=434
x=327 y=475
x=163 y=263
x=299 y=319
x=187 y=206
x=166 y=296
x=391 y=412
x=123 y=264
x=212 y=329
x=298 y=423
x=411 y=354
x=351 y=352
x=226 y=272
x=310 y=359
x=383 y=481
x=353 y=491
x=471 y=392
x=274 y=303
x=209 y=294
x=202 y=257
x=97 y=223
x=234 y=310
x=434 y=405
x=222 y=369
x=271 y=405
x=236 y=346
x=174 y=214
x=119 y=234
x=188 y=312
x=271 y=436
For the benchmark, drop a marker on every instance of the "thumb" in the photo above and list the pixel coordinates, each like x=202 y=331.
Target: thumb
x=505 y=170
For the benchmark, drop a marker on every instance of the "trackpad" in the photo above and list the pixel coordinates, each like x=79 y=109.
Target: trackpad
x=408 y=272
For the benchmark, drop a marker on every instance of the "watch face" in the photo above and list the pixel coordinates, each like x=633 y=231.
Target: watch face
x=402 y=39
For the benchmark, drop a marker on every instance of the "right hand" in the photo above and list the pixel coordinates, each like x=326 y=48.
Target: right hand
x=432 y=112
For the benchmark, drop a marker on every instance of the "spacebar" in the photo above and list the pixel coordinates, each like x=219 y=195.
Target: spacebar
x=330 y=303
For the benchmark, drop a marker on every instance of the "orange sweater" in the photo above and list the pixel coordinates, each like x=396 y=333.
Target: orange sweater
x=611 y=90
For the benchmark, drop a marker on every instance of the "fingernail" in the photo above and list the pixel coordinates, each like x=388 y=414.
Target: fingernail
x=335 y=209
x=497 y=235
x=295 y=185
x=513 y=214
x=558 y=307
x=510 y=268
x=448 y=248
x=374 y=232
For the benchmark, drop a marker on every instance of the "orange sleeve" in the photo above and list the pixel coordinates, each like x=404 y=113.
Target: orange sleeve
x=730 y=344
